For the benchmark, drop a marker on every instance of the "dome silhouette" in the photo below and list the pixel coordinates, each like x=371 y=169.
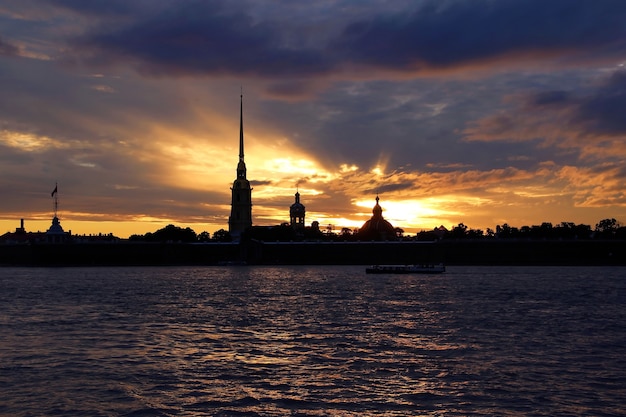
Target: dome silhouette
x=377 y=228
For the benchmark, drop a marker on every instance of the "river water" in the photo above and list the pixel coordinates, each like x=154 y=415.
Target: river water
x=312 y=341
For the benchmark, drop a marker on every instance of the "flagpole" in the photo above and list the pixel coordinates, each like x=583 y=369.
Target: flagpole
x=55 y=194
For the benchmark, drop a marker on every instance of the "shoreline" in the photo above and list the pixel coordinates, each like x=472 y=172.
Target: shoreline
x=449 y=252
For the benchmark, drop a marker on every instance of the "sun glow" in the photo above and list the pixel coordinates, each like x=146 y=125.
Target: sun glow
x=344 y=168
x=291 y=166
x=198 y=167
x=414 y=215
x=378 y=171
x=280 y=175
x=402 y=212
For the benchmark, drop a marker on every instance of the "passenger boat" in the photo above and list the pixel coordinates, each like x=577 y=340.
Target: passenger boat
x=405 y=269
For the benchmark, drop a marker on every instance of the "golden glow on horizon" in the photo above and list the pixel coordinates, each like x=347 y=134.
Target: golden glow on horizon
x=414 y=215
x=336 y=222
x=122 y=229
x=404 y=211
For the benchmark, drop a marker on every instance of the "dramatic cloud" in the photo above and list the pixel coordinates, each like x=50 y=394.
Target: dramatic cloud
x=593 y=123
x=442 y=34
x=214 y=38
x=603 y=112
x=200 y=38
x=480 y=112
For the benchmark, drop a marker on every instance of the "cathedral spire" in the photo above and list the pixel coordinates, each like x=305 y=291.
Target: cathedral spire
x=241 y=204
x=241 y=166
x=241 y=127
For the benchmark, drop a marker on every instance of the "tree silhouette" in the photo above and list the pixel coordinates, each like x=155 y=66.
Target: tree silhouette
x=459 y=231
x=222 y=236
x=204 y=237
x=171 y=233
x=607 y=226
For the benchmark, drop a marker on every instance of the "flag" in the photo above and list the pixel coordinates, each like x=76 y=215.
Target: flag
x=54 y=191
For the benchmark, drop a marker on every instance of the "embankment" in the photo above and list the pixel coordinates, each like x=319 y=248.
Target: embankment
x=450 y=252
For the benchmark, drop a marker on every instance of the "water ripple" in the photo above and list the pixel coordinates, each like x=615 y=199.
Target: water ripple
x=312 y=341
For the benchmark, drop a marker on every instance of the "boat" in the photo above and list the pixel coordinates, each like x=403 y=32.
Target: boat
x=406 y=269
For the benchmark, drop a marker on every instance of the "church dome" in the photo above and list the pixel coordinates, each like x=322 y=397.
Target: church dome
x=377 y=228
x=55 y=228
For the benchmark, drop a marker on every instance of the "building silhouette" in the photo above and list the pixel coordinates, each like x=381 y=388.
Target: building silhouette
x=21 y=236
x=241 y=204
x=297 y=212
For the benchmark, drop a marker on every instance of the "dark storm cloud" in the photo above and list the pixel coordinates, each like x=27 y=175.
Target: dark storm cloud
x=601 y=111
x=604 y=111
x=442 y=34
x=548 y=98
x=405 y=126
x=566 y=127
x=203 y=38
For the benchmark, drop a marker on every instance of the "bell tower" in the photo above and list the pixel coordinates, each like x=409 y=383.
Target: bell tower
x=297 y=212
x=241 y=204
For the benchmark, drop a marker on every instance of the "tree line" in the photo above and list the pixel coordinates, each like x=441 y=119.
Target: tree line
x=608 y=228
x=604 y=229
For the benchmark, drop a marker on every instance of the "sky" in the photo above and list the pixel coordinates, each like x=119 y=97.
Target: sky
x=480 y=112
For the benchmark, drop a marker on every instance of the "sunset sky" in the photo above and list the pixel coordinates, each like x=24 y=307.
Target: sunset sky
x=480 y=112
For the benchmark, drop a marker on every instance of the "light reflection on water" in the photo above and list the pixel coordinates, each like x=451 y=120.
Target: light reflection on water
x=312 y=341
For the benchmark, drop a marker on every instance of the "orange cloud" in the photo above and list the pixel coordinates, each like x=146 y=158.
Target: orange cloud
x=601 y=186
